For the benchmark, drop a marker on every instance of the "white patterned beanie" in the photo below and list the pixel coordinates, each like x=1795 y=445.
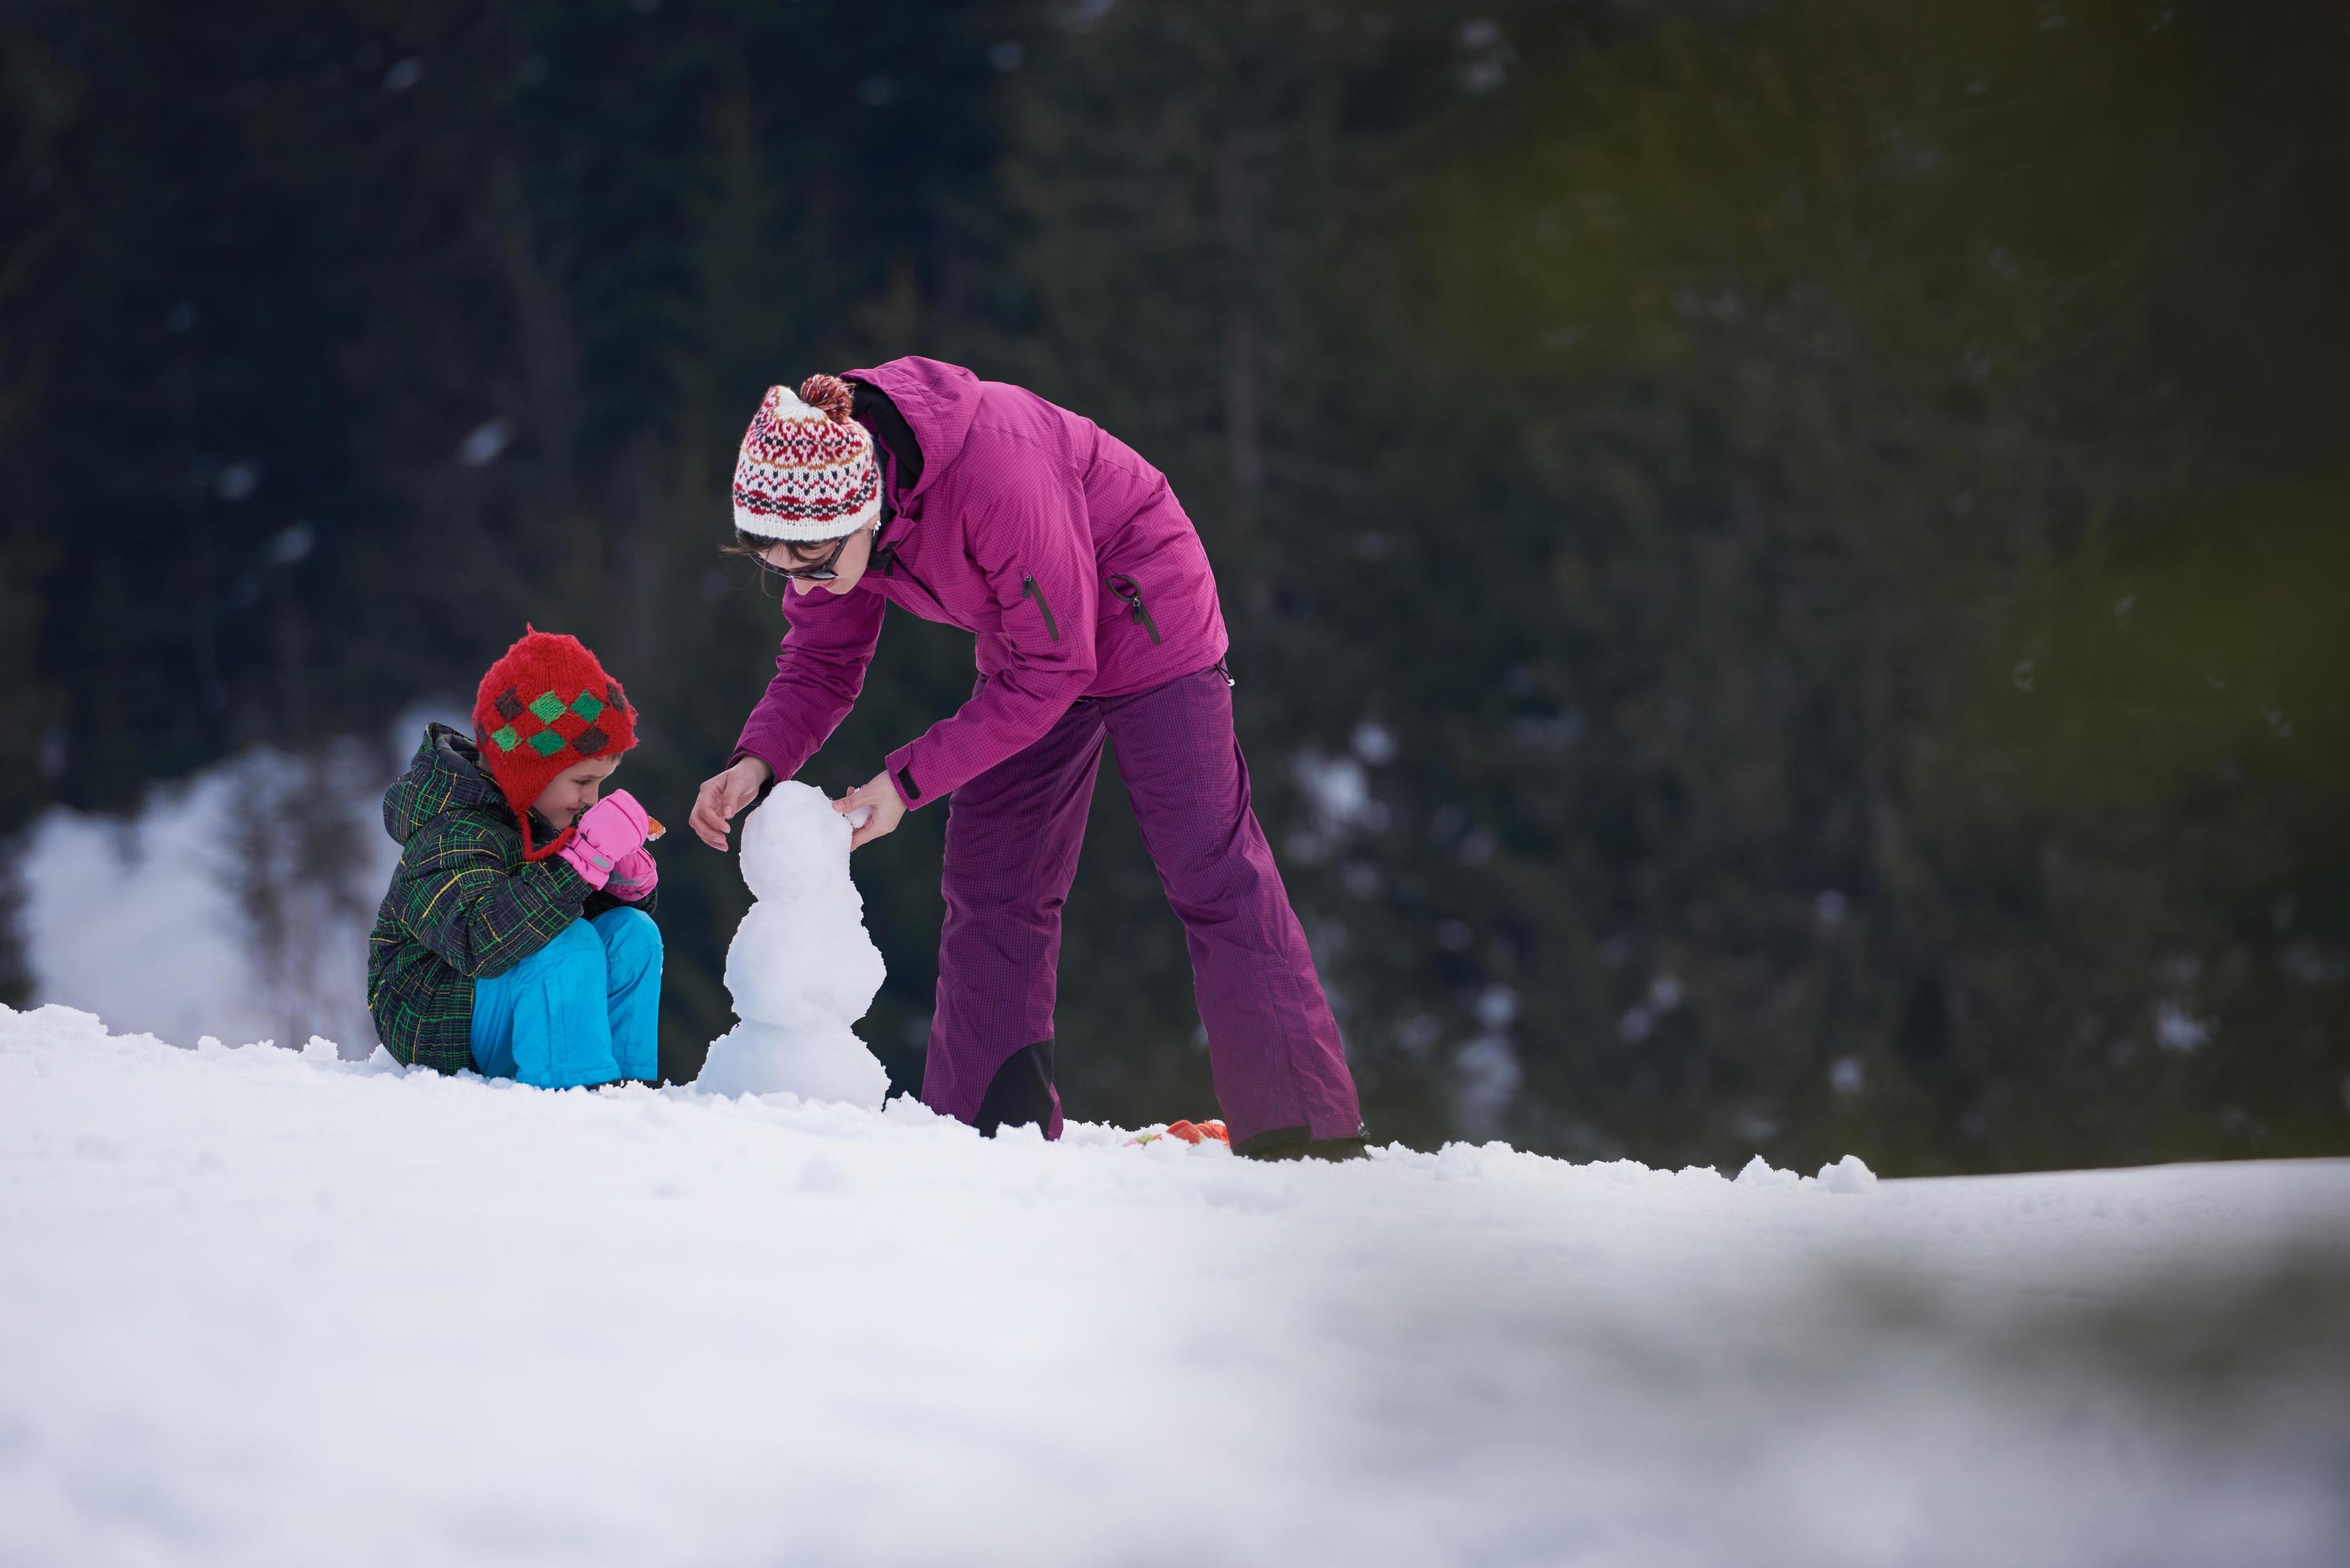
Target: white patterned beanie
x=807 y=469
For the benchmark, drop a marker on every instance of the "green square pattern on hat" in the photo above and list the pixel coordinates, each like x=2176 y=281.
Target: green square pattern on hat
x=546 y=743
x=505 y=737
x=547 y=706
x=586 y=706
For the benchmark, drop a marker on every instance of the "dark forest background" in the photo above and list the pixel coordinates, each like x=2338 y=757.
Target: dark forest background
x=1786 y=560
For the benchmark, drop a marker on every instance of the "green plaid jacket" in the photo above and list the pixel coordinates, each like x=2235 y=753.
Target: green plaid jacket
x=463 y=904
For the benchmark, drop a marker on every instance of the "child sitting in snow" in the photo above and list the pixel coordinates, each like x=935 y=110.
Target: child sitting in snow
x=517 y=938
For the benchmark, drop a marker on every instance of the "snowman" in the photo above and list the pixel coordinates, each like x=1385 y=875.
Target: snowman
x=801 y=968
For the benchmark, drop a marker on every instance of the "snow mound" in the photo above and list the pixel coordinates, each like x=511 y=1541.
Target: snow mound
x=801 y=969
x=261 y=1306
x=1848 y=1175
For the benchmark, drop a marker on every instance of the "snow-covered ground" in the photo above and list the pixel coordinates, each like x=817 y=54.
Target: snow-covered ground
x=263 y=1306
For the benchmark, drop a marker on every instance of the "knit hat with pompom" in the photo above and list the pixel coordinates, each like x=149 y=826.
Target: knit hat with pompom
x=544 y=706
x=807 y=469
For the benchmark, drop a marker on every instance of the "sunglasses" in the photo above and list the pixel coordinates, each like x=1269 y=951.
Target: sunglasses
x=822 y=572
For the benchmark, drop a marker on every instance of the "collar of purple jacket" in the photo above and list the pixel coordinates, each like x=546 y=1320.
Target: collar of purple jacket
x=938 y=401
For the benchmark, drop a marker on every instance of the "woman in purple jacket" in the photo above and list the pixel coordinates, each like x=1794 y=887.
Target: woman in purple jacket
x=982 y=505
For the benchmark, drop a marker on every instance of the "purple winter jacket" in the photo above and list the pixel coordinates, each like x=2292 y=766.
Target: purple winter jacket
x=1048 y=538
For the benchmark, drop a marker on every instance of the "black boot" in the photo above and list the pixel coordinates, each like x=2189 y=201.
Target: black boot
x=1292 y=1143
x=1020 y=1093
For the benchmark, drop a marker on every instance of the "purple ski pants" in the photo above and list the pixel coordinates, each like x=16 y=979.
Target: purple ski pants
x=1013 y=836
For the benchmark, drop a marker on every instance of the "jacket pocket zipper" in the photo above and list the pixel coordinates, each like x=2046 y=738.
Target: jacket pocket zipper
x=1123 y=587
x=1036 y=593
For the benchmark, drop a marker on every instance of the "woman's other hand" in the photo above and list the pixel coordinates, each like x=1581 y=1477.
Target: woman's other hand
x=878 y=797
x=722 y=795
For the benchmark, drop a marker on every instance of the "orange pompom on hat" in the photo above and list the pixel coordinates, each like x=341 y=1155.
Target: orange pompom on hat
x=546 y=705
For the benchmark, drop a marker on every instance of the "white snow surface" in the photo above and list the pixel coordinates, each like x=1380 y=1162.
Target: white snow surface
x=261 y=1306
x=801 y=969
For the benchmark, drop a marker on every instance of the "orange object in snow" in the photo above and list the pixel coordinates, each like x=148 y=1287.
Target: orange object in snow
x=1194 y=1132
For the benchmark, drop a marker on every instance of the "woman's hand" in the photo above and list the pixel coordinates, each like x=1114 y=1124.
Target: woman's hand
x=722 y=795
x=887 y=810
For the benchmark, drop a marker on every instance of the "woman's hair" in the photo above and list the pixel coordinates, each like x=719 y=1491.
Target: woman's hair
x=834 y=397
x=752 y=546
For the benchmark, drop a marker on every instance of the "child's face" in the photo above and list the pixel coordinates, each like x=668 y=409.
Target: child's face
x=574 y=789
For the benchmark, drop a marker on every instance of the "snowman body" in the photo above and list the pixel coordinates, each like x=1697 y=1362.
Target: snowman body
x=801 y=971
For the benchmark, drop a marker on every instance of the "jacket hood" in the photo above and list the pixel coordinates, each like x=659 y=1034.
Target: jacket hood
x=443 y=775
x=937 y=400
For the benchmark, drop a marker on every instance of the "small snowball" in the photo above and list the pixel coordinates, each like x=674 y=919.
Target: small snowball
x=1848 y=1175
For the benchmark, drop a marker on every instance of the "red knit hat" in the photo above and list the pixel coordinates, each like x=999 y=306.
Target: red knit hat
x=546 y=706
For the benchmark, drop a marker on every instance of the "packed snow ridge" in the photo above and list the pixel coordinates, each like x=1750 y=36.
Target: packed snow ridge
x=264 y=1306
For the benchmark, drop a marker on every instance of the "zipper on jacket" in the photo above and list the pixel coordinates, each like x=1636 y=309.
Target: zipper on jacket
x=1030 y=588
x=1123 y=587
x=886 y=558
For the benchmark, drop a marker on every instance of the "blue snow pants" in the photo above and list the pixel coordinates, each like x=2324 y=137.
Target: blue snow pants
x=584 y=1008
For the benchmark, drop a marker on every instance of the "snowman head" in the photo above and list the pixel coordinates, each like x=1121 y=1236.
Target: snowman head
x=794 y=842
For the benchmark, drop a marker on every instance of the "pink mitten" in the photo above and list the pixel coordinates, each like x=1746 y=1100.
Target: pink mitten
x=634 y=875
x=607 y=833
